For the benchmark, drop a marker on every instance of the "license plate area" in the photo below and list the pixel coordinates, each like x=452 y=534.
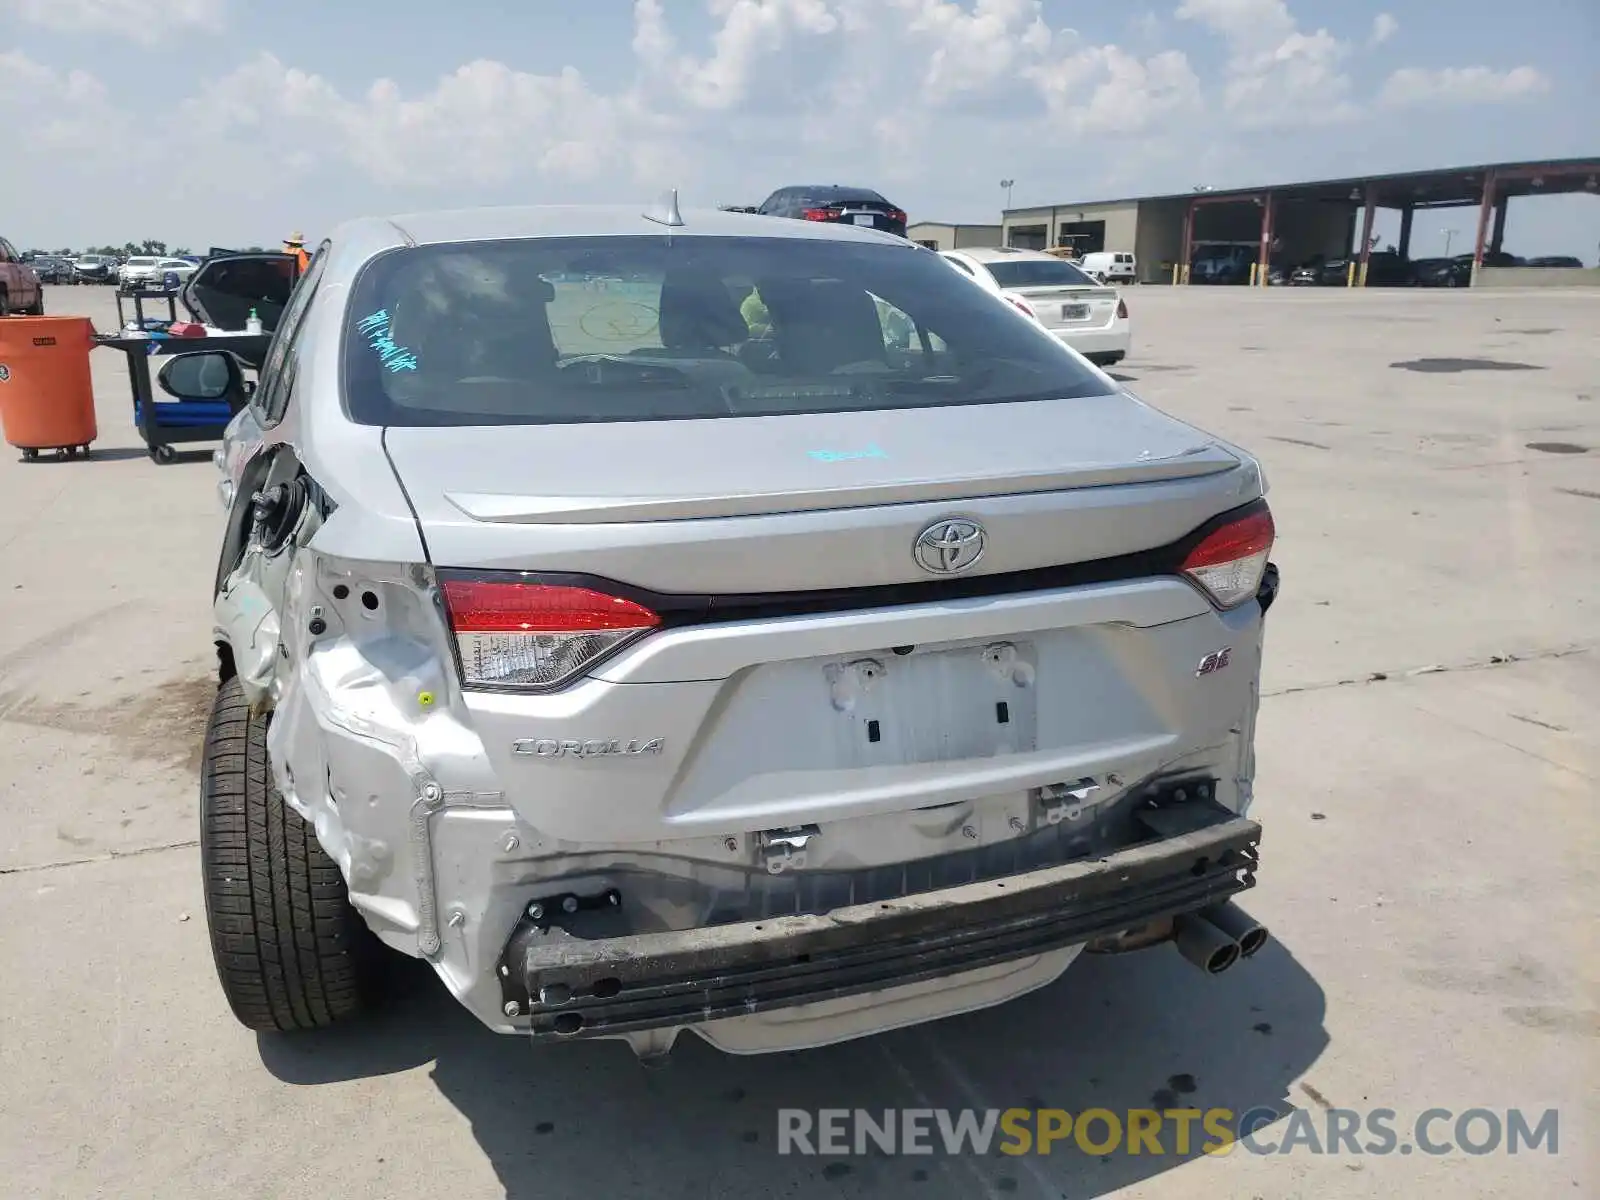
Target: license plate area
x=935 y=706
x=1074 y=312
x=864 y=219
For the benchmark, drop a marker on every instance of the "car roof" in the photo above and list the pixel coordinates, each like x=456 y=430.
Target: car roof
x=572 y=220
x=989 y=254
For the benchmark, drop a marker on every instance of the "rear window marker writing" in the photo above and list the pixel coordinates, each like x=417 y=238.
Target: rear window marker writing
x=376 y=329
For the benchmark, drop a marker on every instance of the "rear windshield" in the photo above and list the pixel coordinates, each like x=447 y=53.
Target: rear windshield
x=1037 y=272
x=562 y=330
x=841 y=195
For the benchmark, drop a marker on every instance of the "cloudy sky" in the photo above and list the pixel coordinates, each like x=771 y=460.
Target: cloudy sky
x=230 y=122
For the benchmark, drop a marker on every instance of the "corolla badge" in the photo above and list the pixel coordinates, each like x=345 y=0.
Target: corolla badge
x=587 y=747
x=949 y=545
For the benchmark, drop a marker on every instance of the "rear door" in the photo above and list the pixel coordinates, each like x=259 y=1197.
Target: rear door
x=224 y=290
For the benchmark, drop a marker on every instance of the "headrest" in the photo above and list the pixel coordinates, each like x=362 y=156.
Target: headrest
x=697 y=312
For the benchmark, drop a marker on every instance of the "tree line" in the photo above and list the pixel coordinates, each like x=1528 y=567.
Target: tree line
x=150 y=246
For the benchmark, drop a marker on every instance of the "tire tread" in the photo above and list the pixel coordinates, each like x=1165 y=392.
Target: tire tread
x=291 y=953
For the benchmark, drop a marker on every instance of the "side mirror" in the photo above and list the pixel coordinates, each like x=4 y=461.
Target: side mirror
x=206 y=375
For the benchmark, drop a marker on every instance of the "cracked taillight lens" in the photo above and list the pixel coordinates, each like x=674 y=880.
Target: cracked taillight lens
x=517 y=634
x=1229 y=561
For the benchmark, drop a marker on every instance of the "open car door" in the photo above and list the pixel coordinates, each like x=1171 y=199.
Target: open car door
x=228 y=284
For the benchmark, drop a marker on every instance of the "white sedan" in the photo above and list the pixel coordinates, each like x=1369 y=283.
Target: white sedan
x=1086 y=315
x=149 y=271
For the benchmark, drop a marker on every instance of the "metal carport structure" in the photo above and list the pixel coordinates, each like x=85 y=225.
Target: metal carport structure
x=1489 y=186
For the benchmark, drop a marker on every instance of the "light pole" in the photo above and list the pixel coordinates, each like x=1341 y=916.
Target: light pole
x=1008 y=184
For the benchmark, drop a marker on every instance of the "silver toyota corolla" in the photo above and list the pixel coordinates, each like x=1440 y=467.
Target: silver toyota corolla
x=661 y=620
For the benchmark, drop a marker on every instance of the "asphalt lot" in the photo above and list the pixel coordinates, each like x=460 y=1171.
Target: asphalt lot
x=1429 y=765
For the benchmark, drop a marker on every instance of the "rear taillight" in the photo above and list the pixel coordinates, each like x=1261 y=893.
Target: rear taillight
x=819 y=214
x=516 y=634
x=1122 y=309
x=897 y=215
x=1022 y=306
x=1229 y=561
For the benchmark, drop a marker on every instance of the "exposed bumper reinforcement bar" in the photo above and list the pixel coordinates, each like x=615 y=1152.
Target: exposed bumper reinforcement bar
x=1200 y=855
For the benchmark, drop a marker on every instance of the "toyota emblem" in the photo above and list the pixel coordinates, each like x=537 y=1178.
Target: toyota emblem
x=949 y=545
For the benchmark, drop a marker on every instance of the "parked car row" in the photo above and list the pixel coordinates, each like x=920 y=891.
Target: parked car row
x=22 y=277
x=154 y=273
x=1385 y=268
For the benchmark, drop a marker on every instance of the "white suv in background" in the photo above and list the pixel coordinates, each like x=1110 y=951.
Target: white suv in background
x=1059 y=295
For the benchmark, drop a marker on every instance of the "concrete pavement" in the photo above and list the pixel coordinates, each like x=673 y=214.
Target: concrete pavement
x=1429 y=770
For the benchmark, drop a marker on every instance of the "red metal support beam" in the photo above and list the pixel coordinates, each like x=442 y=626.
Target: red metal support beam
x=1485 y=207
x=1188 y=242
x=1367 y=210
x=1268 y=204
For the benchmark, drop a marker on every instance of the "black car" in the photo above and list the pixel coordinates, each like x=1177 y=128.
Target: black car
x=1222 y=264
x=1445 y=272
x=1457 y=271
x=50 y=269
x=1385 y=268
x=1556 y=260
x=836 y=203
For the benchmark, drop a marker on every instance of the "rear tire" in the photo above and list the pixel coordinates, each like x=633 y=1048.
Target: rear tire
x=291 y=953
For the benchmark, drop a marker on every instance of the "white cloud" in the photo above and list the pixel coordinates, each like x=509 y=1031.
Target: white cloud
x=137 y=20
x=1384 y=27
x=482 y=123
x=751 y=31
x=43 y=109
x=1277 y=76
x=933 y=100
x=1460 y=85
x=969 y=50
x=1246 y=24
x=1105 y=90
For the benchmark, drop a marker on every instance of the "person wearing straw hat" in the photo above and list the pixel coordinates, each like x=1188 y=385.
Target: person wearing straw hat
x=295 y=244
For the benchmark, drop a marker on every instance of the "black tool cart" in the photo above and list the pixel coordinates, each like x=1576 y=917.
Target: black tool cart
x=221 y=295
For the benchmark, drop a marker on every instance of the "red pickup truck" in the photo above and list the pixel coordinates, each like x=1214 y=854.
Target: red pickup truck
x=20 y=289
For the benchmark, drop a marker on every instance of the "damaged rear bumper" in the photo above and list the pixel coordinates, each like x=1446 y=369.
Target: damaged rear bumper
x=1198 y=854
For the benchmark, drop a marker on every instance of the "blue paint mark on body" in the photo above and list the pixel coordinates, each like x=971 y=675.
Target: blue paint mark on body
x=871 y=451
x=376 y=329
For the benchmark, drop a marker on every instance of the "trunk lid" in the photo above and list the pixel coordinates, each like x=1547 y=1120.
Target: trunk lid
x=816 y=501
x=1069 y=307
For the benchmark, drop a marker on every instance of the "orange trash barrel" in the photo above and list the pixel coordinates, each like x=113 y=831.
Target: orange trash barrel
x=46 y=396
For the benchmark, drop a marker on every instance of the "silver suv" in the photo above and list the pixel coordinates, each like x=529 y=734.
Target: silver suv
x=662 y=621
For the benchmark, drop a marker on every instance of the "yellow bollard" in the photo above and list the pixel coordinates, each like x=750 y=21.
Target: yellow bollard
x=1174 y=274
x=1364 y=274
x=1253 y=267
x=1350 y=275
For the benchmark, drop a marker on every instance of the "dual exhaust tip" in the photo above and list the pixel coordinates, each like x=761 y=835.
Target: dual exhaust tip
x=1216 y=938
